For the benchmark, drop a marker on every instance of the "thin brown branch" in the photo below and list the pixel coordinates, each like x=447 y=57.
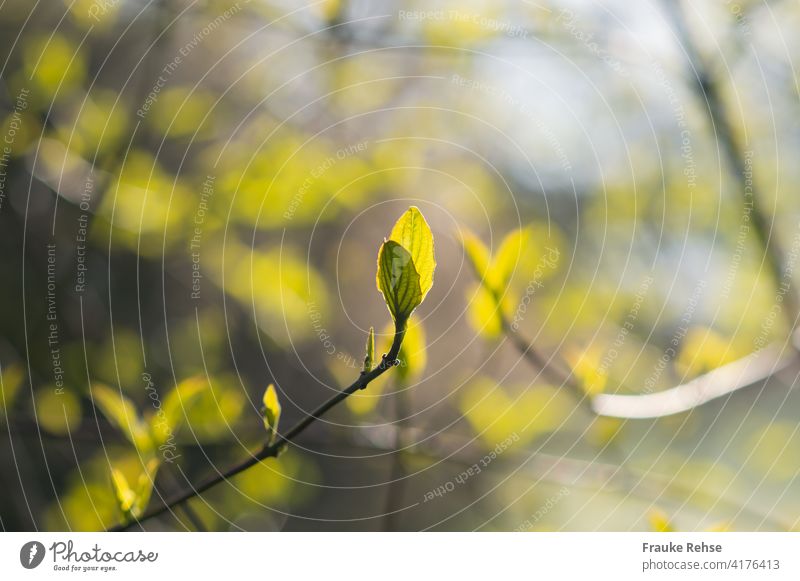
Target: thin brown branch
x=272 y=450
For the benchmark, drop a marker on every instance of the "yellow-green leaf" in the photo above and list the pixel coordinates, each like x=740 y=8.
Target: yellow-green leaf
x=144 y=489
x=413 y=233
x=271 y=411
x=122 y=414
x=133 y=502
x=10 y=381
x=507 y=259
x=659 y=521
x=476 y=251
x=369 y=359
x=587 y=367
x=125 y=495
x=398 y=280
x=177 y=404
x=483 y=312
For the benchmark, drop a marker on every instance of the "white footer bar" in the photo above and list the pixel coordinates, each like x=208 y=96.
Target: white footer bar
x=390 y=556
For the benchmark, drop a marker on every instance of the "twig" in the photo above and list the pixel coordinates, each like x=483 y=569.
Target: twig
x=744 y=372
x=708 y=91
x=749 y=370
x=396 y=485
x=555 y=369
x=274 y=449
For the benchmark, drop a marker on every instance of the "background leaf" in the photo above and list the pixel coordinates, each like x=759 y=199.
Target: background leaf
x=476 y=251
x=176 y=406
x=507 y=260
x=271 y=411
x=122 y=414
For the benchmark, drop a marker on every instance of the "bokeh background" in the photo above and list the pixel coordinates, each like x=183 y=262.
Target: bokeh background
x=193 y=194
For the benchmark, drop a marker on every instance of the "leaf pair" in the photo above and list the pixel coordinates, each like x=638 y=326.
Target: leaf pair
x=406 y=264
x=496 y=271
x=148 y=432
x=519 y=251
x=132 y=501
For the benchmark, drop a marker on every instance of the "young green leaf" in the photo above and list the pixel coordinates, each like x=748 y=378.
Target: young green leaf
x=659 y=521
x=125 y=495
x=513 y=250
x=177 y=404
x=484 y=312
x=399 y=281
x=271 y=411
x=412 y=232
x=133 y=502
x=10 y=382
x=122 y=413
x=144 y=489
x=476 y=251
x=369 y=359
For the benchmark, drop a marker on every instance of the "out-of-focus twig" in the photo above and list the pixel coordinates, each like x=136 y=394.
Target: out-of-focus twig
x=709 y=92
x=751 y=370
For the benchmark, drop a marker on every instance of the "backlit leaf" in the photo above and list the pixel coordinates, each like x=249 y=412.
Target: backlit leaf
x=659 y=521
x=476 y=251
x=369 y=359
x=122 y=414
x=398 y=280
x=177 y=404
x=483 y=312
x=271 y=411
x=507 y=259
x=125 y=495
x=413 y=233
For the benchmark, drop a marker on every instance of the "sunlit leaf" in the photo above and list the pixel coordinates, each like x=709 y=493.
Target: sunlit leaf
x=132 y=502
x=483 y=312
x=125 y=495
x=587 y=367
x=659 y=521
x=704 y=350
x=144 y=488
x=57 y=411
x=476 y=251
x=412 y=232
x=54 y=63
x=497 y=412
x=369 y=358
x=507 y=259
x=271 y=411
x=10 y=382
x=398 y=280
x=217 y=408
x=122 y=414
x=176 y=406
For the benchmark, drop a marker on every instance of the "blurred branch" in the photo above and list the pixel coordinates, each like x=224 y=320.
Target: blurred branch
x=709 y=92
x=553 y=368
x=745 y=372
x=274 y=449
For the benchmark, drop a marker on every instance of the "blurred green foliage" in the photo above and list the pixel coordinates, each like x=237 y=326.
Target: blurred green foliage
x=232 y=200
